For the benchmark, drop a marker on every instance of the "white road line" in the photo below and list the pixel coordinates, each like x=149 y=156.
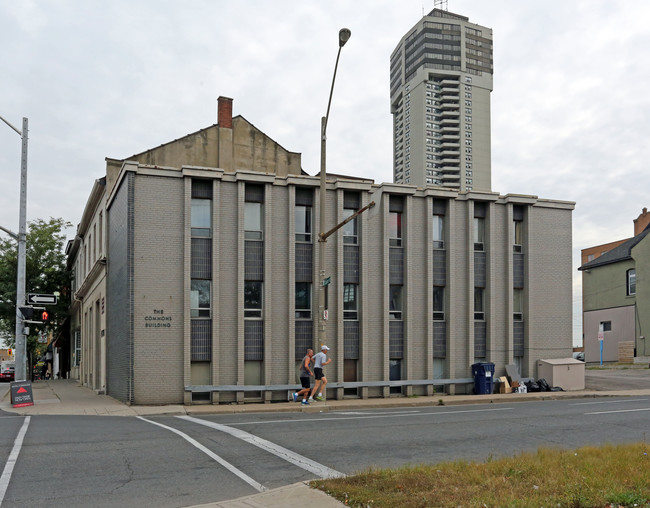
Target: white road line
x=294 y=458
x=11 y=461
x=257 y=486
x=375 y=413
x=372 y=416
x=619 y=411
x=607 y=402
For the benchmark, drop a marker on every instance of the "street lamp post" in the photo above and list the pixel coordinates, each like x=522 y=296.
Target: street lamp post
x=21 y=237
x=344 y=36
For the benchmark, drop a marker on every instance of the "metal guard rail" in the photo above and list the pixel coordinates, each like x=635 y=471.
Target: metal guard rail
x=348 y=384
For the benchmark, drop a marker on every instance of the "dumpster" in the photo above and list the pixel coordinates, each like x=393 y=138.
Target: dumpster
x=483 y=374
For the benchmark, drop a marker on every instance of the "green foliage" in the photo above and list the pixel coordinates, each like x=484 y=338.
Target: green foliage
x=45 y=272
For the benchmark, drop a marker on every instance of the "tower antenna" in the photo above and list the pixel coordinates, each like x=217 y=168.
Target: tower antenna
x=440 y=4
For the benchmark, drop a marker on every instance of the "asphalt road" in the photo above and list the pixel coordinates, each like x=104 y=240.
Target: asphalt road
x=167 y=461
x=621 y=378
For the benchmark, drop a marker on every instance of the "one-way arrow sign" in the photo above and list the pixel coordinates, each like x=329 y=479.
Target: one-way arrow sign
x=42 y=299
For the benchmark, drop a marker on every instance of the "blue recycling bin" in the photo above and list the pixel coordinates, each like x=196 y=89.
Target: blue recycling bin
x=483 y=374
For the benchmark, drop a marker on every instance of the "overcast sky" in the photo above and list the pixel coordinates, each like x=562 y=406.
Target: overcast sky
x=570 y=116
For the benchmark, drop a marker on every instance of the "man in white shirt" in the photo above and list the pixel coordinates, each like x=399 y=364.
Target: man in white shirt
x=320 y=360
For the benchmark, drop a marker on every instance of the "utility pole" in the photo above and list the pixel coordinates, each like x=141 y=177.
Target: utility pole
x=344 y=36
x=21 y=237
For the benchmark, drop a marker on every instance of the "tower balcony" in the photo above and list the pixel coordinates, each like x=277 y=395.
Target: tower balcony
x=445 y=122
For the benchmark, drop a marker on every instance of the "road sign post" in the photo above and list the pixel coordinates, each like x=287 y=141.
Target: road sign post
x=35 y=298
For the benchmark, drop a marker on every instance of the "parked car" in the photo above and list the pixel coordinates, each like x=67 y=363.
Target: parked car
x=579 y=355
x=7 y=371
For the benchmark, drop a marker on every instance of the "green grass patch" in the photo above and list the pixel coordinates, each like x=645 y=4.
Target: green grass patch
x=590 y=477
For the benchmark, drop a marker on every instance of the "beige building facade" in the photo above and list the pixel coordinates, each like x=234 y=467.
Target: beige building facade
x=227 y=305
x=211 y=278
x=87 y=263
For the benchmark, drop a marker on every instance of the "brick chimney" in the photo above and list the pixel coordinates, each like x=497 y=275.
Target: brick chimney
x=224 y=112
x=642 y=221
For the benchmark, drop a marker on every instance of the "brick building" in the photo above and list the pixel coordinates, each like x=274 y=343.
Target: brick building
x=212 y=277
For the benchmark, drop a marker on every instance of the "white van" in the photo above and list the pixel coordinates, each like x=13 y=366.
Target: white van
x=7 y=371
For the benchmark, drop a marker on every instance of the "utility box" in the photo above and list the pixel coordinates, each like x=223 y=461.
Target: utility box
x=567 y=373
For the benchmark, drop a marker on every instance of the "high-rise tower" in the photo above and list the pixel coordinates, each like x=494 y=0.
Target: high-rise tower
x=440 y=84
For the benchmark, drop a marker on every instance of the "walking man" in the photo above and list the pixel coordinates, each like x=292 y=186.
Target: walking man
x=305 y=374
x=320 y=360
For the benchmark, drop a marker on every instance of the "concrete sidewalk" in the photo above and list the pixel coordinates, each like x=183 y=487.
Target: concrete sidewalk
x=68 y=397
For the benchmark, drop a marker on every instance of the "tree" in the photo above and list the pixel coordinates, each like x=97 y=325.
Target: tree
x=45 y=272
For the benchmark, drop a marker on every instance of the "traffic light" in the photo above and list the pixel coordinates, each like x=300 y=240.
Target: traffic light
x=44 y=316
x=10 y=351
x=27 y=312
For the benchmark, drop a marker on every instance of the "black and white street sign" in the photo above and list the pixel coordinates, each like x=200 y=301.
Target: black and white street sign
x=42 y=299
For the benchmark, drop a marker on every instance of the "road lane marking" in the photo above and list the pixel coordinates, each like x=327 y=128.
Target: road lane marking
x=284 y=453
x=257 y=486
x=618 y=411
x=11 y=461
x=374 y=413
x=608 y=402
x=372 y=416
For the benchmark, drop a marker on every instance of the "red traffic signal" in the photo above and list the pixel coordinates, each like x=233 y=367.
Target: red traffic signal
x=44 y=316
x=10 y=352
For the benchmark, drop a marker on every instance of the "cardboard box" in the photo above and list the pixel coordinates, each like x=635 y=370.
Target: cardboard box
x=504 y=386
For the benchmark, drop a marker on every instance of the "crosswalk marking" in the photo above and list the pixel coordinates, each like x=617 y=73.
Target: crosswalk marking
x=11 y=461
x=257 y=486
x=299 y=460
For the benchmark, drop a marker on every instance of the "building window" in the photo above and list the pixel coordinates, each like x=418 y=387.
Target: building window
x=200 y=217
x=76 y=356
x=303 y=300
x=303 y=223
x=350 y=228
x=590 y=257
x=101 y=234
x=517 y=304
x=253 y=221
x=350 y=302
x=200 y=298
x=479 y=304
x=479 y=233
x=438 y=231
x=631 y=282
x=438 y=303
x=395 y=229
x=395 y=303
x=517 y=239
x=253 y=299
x=605 y=326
